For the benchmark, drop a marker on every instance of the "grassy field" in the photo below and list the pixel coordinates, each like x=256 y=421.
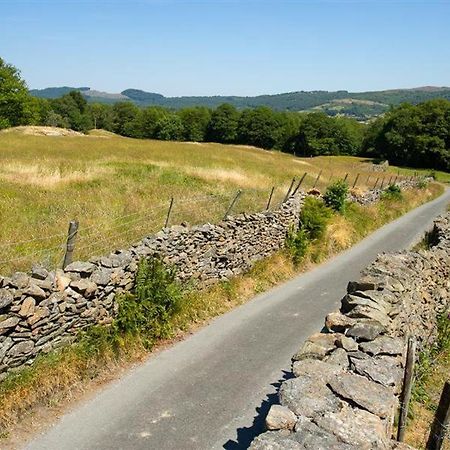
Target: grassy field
x=119 y=189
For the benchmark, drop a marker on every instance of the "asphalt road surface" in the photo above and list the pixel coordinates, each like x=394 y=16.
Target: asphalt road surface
x=212 y=390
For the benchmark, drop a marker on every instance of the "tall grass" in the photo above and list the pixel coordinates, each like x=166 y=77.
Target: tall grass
x=119 y=189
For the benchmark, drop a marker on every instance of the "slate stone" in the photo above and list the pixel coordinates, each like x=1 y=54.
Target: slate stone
x=6 y=298
x=382 y=370
x=307 y=396
x=22 y=348
x=367 y=312
x=275 y=440
x=8 y=323
x=366 y=330
x=355 y=427
x=338 y=322
x=368 y=395
x=80 y=267
x=383 y=345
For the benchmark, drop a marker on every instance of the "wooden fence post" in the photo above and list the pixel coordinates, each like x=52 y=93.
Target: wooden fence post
x=356 y=180
x=407 y=387
x=368 y=179
x=270 y=198
x=395 y=180
x=300 y=183
x=317 y=179
x=166 y=224
x=289 y=190
x=382 y=183
x=441 y=424
x=239 y=192
x=376 y=182
x=70 y=244
x=346 y=176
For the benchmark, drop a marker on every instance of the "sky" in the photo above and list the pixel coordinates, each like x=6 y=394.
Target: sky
x=228 y=47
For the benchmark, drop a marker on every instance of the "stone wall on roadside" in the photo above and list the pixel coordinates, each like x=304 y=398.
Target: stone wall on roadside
x=347 y=380
x=43 y=310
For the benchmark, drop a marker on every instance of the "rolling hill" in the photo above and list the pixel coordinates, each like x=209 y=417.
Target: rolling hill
x=357 y=104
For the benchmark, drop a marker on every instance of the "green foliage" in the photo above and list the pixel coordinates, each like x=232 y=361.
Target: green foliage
x=314 y=217
x=156 y=298
x=336 y=196
x=223 y=125
x=16 y=105
x=392 y=192
x=297 y=243
x=323 y=135
x=195 y=123
x=428 y=356
x=414 y=136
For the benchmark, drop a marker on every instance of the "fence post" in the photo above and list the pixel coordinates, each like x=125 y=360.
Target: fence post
x=441 y=423
x=239 y=192
x=270 y=198
x=289 y=190
x=407 y=387
x=356 y=180
x=376 y=182
x=70 y=244
x=390 y=180
x=368 y=179
x=346 y=176
x=395 y=180
x=168 y=213
x=382 y=183
x=317 y=179
x=300 y=183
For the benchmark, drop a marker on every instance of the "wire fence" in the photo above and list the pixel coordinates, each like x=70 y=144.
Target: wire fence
x=107 y=233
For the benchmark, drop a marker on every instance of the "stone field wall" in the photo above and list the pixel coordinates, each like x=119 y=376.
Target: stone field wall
x=346 y=382
x=43 y=310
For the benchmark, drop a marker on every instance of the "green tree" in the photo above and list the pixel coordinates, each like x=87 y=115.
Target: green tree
x=223 y=125
x=149 y=119
x=72 y=107
x=259 y=127
x=126 y=119
x=195 y=123
x=16 y=105
x=102 y=116
x=169 y=128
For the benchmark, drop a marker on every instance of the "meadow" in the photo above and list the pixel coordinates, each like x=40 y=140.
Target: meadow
x=119 y=189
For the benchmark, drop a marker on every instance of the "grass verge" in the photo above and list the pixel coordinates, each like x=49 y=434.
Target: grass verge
x=62 y=375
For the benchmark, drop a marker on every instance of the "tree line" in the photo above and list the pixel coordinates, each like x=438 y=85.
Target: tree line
x=417 y=136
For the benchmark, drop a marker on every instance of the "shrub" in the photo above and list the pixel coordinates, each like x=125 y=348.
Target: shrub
x=392 y=192
x=422 y=183
x=156 y=298
x=314 y=217
x=336 y=196
x=297 y=243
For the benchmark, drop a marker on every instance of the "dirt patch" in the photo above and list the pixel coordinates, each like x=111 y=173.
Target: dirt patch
x=42 y=131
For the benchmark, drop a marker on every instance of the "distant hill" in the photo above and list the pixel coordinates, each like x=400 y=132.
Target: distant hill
x=361 y=105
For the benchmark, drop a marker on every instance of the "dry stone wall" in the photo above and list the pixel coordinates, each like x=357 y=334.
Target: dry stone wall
x=347 y=380
x=43 y=310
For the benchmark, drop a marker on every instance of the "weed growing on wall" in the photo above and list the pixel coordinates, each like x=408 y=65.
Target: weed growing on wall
x=392 y=192
x=314 y=217
x=147 y=311
x=336 y=196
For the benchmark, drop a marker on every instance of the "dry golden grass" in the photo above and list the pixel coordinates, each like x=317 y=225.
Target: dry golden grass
x=423 y=413
x=119 y=189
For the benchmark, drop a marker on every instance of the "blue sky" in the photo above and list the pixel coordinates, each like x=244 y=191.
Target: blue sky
x=247 y=47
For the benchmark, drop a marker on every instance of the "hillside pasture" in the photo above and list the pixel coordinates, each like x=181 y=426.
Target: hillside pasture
x=119 y=189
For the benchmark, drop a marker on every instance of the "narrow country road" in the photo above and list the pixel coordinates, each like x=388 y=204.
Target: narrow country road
x=212 y=390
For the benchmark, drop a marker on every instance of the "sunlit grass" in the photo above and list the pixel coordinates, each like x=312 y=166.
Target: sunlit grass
x=119 y=189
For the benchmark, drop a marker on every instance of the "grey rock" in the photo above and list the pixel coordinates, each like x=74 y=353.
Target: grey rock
x=355 y=427
x=312 y=437
x=383 y=345
x=22 y=348
x=347 y=343
x=366 y=330
x=367 y=312
x=35 y=291
x=84 y=286
x=80 y=267
x=316 y=347
x=6 y=298
x=382 y=370
x=368 y=395
x=313 y=368
x=39 y=272
x=275 y=440
x=20 y=280
x=306 y=396
x=361 y=285
x=101 y=277
x=7 y=323
x=27 y=307
x=338 y=358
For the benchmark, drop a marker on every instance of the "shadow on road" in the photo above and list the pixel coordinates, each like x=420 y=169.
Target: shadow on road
x=246 y=435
